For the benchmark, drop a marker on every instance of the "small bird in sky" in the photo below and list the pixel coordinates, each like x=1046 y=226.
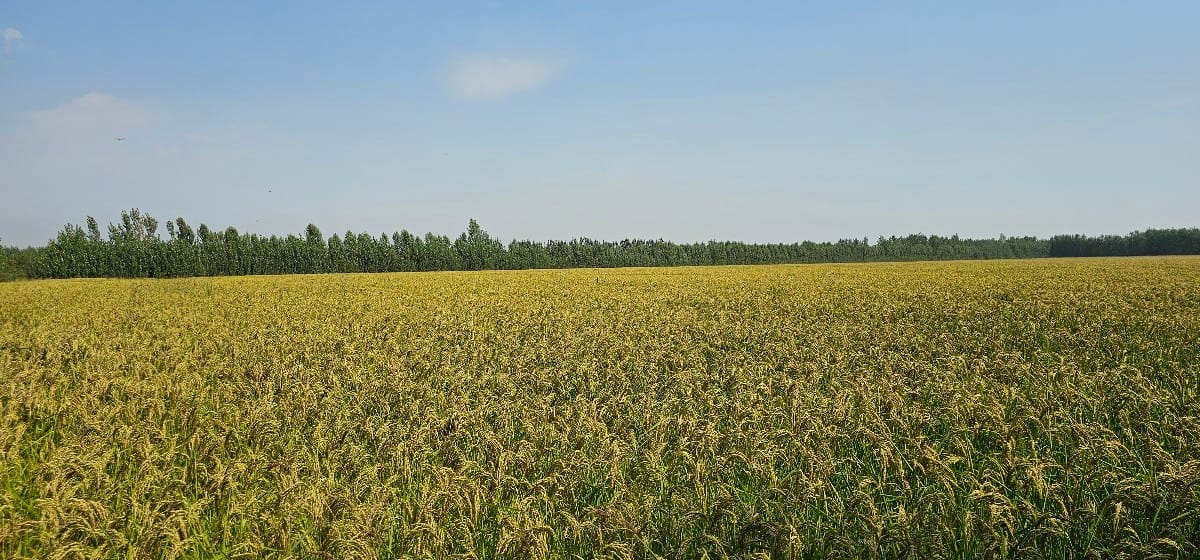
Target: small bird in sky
x=120 y=138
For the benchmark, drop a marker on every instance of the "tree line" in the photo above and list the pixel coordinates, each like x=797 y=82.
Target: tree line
x=135 y=248
x=1184 y=241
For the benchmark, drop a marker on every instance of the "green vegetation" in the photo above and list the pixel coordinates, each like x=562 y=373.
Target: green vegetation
x=134 y=249
x=11 y=267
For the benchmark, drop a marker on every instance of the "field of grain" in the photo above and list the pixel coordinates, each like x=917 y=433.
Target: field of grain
x=963 y=410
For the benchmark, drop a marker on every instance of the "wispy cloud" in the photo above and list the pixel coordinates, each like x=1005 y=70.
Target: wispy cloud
x=88 y=117
x=490 y=76
x=68 y=156
x=79 y=134
x=12 y=38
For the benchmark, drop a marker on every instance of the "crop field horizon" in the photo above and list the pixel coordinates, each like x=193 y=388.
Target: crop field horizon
x=962 y=409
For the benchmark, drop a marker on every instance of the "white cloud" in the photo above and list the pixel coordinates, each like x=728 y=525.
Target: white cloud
x=67 y=157
x=12 y=37
x=88 y=117
x=489 y=77
x=77 y=138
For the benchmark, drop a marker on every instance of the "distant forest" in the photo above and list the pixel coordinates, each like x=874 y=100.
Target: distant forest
x=134 y=248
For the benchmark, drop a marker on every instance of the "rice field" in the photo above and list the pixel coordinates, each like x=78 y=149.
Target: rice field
x=1035 y=408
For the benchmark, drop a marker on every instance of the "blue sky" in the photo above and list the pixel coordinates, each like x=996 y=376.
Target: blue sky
x=681 y=120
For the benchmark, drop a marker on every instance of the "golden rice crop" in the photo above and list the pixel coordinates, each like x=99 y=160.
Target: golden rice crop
x=984 y=409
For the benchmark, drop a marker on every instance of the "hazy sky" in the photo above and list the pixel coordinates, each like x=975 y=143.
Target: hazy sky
x=682 y=120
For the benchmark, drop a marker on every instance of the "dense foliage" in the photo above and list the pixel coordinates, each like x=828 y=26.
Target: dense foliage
x=11 y=265
x=1150 y=242
x=134 y=248
x=1002 y=409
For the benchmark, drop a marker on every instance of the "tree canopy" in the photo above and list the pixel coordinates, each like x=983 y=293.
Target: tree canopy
x=134 y=248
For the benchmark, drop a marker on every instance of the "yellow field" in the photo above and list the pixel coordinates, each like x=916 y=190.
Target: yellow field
x=1014 y=408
